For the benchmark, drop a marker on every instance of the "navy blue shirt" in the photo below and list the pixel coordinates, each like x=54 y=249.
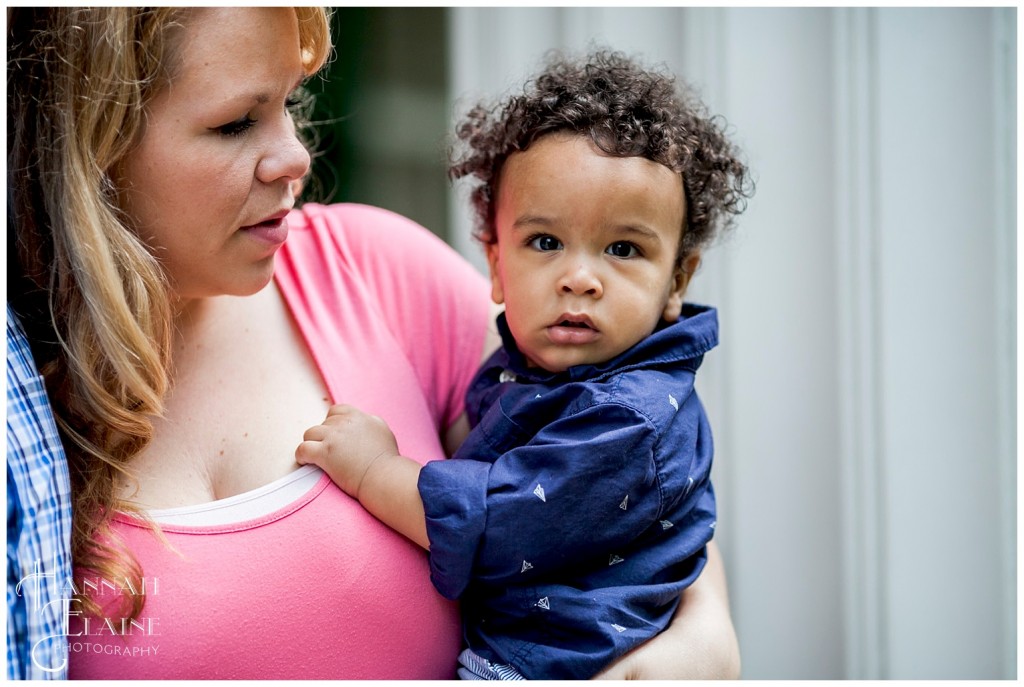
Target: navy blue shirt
x=579 y=506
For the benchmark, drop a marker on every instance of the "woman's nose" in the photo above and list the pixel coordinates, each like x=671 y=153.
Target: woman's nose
x=581 y=280
x=286 y=157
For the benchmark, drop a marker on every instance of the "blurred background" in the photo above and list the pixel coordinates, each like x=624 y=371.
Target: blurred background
x=864 y=394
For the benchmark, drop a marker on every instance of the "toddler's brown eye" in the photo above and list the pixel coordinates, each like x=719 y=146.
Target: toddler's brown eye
x=622 y=249
x=545 y=243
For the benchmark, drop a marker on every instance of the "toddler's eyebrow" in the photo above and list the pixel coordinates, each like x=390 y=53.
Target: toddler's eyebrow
x=531 y=222
x=643 y=231
x=526 y=221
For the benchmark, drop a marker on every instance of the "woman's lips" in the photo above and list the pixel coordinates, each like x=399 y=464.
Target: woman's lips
x=272 y=232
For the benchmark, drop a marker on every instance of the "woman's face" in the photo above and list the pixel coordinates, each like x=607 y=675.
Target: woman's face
x=209 y=184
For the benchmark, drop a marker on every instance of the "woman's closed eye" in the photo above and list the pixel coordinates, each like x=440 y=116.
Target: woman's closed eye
x=295 y=101
x=237 y=127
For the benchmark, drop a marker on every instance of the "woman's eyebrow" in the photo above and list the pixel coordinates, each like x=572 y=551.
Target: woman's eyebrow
x=264 y=97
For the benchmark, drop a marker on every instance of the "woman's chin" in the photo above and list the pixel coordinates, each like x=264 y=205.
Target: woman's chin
x=252 y=283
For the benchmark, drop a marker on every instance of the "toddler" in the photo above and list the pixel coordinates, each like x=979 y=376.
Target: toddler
x=580 y=506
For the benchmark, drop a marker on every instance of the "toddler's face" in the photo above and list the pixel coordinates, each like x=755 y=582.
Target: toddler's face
x=585 y=257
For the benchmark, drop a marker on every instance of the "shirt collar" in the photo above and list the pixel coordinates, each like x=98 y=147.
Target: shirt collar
x=693 y=335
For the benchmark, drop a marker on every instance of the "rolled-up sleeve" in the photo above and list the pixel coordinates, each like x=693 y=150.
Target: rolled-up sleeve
x=581 y=489
x=454 y=494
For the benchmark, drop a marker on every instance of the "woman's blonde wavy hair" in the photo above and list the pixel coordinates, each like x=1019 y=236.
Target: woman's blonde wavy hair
x=95 y=301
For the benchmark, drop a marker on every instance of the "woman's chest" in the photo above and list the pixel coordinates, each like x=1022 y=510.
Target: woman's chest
x=245 y=389
x=319 y=590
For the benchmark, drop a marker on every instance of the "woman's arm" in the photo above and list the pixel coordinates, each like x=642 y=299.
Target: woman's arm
x=699 y=644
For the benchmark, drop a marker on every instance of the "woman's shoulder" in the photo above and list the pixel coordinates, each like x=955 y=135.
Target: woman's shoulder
x=345 y=212
x=353 y=220
x=379 y=243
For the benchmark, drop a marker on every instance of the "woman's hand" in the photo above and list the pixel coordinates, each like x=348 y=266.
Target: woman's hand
x=699 y=644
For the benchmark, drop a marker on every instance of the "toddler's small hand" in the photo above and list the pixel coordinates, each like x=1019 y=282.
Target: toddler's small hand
x=346 y=444
x=311 y=450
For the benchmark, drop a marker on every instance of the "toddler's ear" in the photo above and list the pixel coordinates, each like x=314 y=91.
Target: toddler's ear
x=681 y=279
x=497 y=292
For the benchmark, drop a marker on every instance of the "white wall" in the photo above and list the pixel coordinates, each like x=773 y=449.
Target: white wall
x=943 y=355
x=780 y=432
x=864 y=395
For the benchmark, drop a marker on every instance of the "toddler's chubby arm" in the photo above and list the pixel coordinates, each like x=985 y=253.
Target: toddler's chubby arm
x=360 y=454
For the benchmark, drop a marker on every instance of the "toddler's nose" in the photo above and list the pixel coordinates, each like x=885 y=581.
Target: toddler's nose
x=581 y=281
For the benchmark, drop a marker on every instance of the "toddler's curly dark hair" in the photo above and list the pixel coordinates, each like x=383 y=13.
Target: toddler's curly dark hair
x=628 y=111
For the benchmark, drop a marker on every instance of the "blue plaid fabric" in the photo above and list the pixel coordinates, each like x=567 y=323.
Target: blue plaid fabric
x=38 y=522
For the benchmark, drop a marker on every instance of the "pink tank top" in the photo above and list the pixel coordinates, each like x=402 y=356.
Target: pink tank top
x=318 y=588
